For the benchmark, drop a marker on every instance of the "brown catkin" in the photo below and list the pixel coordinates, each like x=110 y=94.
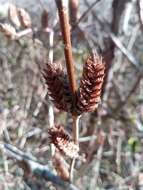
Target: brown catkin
x=89 y=91
x=59 y=137
x=58 y=86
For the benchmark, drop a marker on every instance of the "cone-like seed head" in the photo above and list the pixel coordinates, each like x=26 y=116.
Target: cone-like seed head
x=58 y=86
x=59 y=137
x=89 y=92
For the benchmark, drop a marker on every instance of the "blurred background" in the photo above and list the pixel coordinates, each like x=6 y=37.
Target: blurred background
x=111 y=138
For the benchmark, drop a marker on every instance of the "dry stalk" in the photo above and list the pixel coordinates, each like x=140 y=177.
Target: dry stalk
x=51 y=110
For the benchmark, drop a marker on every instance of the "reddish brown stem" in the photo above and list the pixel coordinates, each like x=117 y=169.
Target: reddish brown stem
x=65 y=28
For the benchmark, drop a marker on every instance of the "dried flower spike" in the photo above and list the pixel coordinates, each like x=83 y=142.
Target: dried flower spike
x=62 y=141
x=89 y=92
x=58 y=86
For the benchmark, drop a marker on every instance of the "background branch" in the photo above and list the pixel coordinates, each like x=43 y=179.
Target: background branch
x=37 y=169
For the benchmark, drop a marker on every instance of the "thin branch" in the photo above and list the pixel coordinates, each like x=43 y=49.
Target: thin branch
x=88 y=138
x=24 y=33
x=76 y=140
x=98 y=163
x=50 y=107
x=133 y=89
x=101 y=141
x=37 y=169
x=44 y=95
x=117 y=11
x=85 y=13
x=76 y=126
x=128 y=55
x=50 y=57
x=118 y=151
x=134 y=62
x=72 y=168
x=140 y=11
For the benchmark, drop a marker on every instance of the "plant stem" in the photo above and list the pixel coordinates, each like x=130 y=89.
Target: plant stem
x=65 y=28
x=76 y=140
x=51 y=109
x=72 y=169
x=76 y=129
